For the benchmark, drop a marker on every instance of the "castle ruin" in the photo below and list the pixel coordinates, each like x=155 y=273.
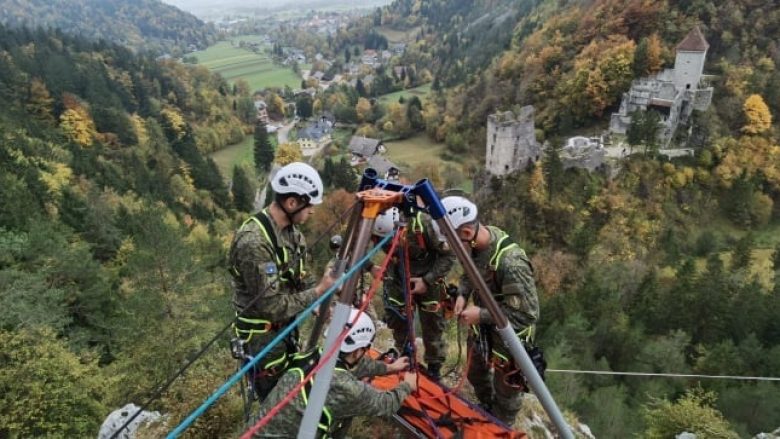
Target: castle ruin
x=511 y=142
x=673 y=93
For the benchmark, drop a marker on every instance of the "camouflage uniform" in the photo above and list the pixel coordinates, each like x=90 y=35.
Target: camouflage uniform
x=348 y=397
x=431 y=261
x=509 y=276
x=255 y=266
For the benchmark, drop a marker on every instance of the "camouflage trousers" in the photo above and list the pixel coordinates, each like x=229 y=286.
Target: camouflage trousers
x=432 y=322
x=272 y=366
x=503 y=400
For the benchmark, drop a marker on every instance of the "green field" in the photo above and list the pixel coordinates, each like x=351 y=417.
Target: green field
x=421 y=92
x=235 y=63
x=399 y=36
x=415 y=150
x=420 y=149
x=238 y=154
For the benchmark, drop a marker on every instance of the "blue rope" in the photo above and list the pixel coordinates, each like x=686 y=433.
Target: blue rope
x=237 y=376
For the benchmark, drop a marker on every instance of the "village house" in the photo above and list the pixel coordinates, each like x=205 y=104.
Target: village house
x=363 y=148
x=398 y=48
x=262 y=111
x=384 y=167
x=370 y=58
x=316 y=135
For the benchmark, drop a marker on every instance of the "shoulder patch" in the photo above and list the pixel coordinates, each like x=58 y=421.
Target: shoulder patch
x=270 y=269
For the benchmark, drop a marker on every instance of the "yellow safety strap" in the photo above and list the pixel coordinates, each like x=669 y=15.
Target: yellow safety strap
x=526 y=334
x=285 y=254
x=325 y=411
x=417 y=223
x=495 y=260
x=246 y=334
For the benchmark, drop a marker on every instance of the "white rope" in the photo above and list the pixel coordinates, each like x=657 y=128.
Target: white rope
x=668 y=375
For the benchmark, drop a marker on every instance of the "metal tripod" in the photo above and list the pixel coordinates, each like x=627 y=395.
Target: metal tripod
x=377 y=195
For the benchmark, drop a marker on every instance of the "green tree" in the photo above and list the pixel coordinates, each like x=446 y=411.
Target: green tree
x=245 y=108
x=263 y=150
x=47 y=390
x=304 y=106
x=640 y=66
x=344 y=175
x=243 y=190
x=742 y=254
x=552 y=166
x=693 y=413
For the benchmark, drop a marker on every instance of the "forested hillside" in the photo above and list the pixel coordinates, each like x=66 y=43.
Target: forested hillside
x=573 y=60
x=114 y=223
x=148 y=25
x=112 y=230
x=669 y=266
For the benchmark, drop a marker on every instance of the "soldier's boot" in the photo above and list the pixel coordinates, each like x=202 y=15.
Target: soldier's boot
x=434 y=371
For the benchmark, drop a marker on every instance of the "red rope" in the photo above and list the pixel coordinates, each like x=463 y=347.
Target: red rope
x=294 y=392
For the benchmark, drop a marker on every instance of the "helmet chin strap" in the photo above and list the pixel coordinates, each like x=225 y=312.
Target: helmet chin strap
x=348 y=364
x=290 y=215
x=473 y=242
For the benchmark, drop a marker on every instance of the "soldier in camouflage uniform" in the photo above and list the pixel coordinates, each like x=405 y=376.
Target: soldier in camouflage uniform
x=348 y=395
x=268 y=282
x=429 y=262
x=509 y=276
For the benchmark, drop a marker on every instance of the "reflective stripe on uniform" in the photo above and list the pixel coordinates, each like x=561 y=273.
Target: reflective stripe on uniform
x=326 y=420
x=501 y=248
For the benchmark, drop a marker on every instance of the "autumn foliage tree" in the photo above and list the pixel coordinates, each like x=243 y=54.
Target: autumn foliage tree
x=288 y=153
x=758 y=119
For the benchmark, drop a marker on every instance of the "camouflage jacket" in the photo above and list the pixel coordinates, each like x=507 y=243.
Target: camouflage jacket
x=255 y=267
x=432 y=260
x=511 y=282
x=348 y=397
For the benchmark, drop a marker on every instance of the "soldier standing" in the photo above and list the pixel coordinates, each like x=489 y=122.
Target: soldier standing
x=267 y=266
x=509 y=276
x=348 y=396
x=429 y=262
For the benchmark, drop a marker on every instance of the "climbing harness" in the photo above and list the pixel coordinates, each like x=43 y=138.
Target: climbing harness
x=343 y=335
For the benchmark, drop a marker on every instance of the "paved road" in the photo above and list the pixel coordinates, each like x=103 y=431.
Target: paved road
x=283 y=132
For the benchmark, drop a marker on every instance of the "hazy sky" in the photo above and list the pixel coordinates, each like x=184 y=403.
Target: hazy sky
x=206 y=8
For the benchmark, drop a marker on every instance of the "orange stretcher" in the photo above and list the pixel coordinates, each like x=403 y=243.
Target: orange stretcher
x=434 y=411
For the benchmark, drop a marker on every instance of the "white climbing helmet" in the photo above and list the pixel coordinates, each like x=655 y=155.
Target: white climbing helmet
x=361 y=334
x=385 y=222
x=460 y=211
x=299 y=178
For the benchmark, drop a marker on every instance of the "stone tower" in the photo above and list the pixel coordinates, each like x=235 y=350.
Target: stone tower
x=689 y=62
x=511 y=142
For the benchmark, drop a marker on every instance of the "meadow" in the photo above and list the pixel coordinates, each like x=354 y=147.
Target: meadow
x=421 y=92
x=257 y=69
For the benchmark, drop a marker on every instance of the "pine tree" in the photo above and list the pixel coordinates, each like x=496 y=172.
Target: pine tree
x=263 y=151
x=553 y=169
x=304 y=106
x=243 y=190
x=742 y=254
x=640 y=66
x=361 y=88
x=344 y=175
